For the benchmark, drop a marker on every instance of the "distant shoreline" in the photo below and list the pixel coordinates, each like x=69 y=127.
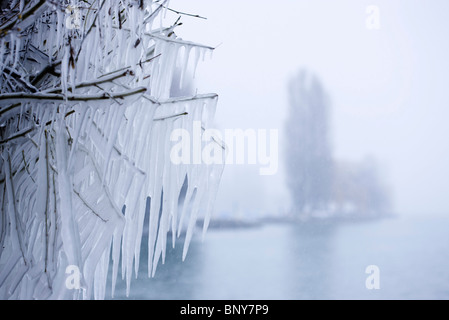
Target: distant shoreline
x=233 y=223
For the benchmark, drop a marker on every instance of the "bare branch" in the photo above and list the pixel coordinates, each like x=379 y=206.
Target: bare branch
x=186 y=14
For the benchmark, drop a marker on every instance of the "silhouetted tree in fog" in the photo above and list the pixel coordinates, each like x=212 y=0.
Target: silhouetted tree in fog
x=358 y=189
x=308 y=153
x=319 y=185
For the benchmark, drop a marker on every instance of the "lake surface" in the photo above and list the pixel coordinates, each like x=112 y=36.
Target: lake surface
x=318 y=261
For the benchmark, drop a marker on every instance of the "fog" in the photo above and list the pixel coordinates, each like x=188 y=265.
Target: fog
x=371 y=117
x=387 y=88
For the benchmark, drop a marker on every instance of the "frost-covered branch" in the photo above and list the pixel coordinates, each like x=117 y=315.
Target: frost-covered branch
x=198 y=97
x=21 y=133
x=14 y=97
x=96 y=82
x=177 y=41
x=171 y=117
x=18 y=77
x=21 y=16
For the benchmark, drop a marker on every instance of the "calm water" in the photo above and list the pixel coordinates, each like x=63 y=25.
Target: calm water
x=284 y=261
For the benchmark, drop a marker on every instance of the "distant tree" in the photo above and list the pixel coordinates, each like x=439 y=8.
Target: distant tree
x=308 y=152
x=358 y=189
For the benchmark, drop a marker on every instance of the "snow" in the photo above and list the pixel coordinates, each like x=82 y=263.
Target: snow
x=83 y=157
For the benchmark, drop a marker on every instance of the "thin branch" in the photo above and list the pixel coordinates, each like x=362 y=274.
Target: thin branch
x=155 y=12
x=89 y=207
x=107 y=77
x=66 y=115
x=171 y=117
x=20 y=80
x=90 y=29
x=20 y=17
x=181 y=99
x=177 y=41
x=95 y=82
x=26 y=166
x=106 y=190
x=108 y=94
x=3 y=217
x=119 y=152
x=19 y=134
x=13 y=106
x=12 y=97
x=12 y=200
x=47 y=195
x=185 y=14
x=218 y=141
x=124 y=69
x=49 y=69
x=168 y=30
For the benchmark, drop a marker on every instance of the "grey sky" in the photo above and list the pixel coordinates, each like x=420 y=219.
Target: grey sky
x=389 y=87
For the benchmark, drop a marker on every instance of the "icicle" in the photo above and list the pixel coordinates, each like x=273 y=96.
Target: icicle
x=185 y=65
x=198 y=53
x=69 y=232
x=16 y=45
x=2 y=55
x=21 y=5
x=16 y=229
x=59 y=30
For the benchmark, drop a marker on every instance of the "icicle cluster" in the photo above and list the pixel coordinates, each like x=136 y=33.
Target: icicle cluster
x=85 y=123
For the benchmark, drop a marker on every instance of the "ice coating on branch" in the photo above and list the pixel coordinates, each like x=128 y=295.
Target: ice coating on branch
x=85 y=122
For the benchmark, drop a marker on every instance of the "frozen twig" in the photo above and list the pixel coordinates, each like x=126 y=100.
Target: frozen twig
x=19 y=79
x=20 y=17
x=13 y=97
x=171 y=117
x=89 y=206
x=185 y=14
x=21 y=133
x=181 y=99
x=177 y=41
x=154 y=13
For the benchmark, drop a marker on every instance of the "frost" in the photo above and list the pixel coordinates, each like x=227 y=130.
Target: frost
x=85 y=122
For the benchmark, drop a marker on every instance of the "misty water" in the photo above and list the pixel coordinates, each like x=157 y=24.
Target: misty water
x=313 y=261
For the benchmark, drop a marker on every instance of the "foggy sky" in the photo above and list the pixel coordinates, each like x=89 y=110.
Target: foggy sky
x=388 y=87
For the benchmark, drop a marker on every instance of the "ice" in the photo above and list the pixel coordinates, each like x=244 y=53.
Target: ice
x=89 y=153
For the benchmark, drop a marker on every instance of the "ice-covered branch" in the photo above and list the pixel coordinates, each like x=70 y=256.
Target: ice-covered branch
x=154 y=14
x=15 y=97
x=21 y=133
x=48 y=69
x=171 y=117
x=18 y=77
x=21 y=16
x=211 y=96
x=89 y=207
x=177 y=41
